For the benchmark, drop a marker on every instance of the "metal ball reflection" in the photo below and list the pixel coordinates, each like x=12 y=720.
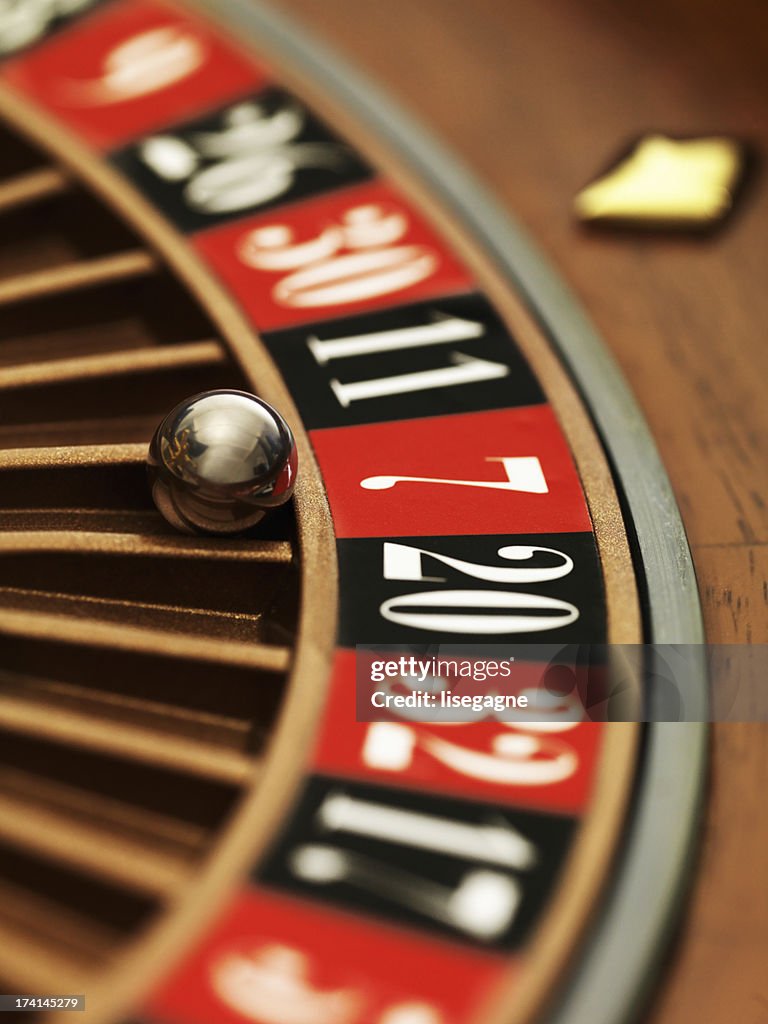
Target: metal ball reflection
x=220 y=461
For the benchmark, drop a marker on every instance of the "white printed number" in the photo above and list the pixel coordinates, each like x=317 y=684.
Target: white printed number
x=523 y=473
x=24 y=21
x=481 y=612
x=144 y=64
x=514 y=758
x=251 y=160
x=356 y=259
x=463 y=369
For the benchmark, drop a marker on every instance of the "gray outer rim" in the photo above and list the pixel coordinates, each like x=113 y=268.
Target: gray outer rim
x=626 y=944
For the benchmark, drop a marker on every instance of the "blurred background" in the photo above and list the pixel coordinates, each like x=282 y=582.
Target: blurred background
x=537 y=96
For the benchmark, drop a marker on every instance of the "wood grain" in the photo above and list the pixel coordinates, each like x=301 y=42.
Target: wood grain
x=536 y=96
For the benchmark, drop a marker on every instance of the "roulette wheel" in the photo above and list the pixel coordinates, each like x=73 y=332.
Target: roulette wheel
x=195 y=824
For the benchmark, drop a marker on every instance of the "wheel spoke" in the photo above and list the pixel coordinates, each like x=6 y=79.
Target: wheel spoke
x=55 y=837
x=112 y=364
x=64 y=629
x=74 y=276
x=134 y=545
x=128 y=742
x=31 y=187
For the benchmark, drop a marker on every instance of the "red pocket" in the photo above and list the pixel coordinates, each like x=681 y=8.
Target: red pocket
x=357 y=249
x=130 y=68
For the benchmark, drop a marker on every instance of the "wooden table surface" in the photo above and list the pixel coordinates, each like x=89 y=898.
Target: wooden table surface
x=535 y=96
